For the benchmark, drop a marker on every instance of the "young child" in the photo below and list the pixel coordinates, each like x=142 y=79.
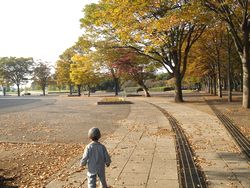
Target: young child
x=95 y=156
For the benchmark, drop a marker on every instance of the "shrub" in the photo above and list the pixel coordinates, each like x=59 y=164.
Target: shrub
x=132 y=89
x=160 y=89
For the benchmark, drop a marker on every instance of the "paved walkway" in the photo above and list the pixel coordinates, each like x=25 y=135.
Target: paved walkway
x=216 y=151
x=143 y=150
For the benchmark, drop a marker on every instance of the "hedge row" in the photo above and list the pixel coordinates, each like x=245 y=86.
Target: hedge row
x=160 y=89
x=132 y=89
x=154 y=89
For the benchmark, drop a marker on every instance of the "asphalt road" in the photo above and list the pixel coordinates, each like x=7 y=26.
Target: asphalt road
x=16 y=104
x=56 y=119
x=8 y=102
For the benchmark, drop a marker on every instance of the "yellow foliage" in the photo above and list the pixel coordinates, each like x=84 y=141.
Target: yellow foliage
x=83 y=71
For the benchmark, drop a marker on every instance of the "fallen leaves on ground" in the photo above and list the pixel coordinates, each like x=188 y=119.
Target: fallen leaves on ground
x=32 y=165
x=162 y=132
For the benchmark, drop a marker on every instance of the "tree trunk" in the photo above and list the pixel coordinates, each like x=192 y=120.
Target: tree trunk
x=178 y=90
x=229 y=84
x=234 y=85
x=225 y=85
x=215 y=85
x=219 y=80
x=244 y=54
x=18 y=90
x=206 y=86
x=4 y=91
x=79 y=90
x=240 y=36
x=145 y=89
x=246 y=78
x=229 y=72
x=116 y=80
x=43 y=88
x=241 y=85
x=209 y=86
x=88 y=91
x=70 y=89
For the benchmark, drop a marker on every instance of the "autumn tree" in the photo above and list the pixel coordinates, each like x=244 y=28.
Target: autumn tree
x=118 y=62
x=103 y=54
x=16 y=70
x=3 y=80
x=234 y=67
x=236 y=13
x=133 y=66
x=42 y=75
x=214 y=47
x=63 y=68
x=209 y=59
x=53 y=82
x=83 y=72
x=106 y=56
x=158 y=30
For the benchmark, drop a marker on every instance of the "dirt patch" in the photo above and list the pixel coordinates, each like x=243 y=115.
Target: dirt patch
x=32 y=165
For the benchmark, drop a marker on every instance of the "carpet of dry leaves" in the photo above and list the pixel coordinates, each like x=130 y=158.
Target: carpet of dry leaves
x=32 y=165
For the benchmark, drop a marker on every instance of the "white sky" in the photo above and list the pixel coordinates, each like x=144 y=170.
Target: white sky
x=41 y=29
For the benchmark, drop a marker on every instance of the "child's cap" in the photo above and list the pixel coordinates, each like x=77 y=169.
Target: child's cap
x=94 y=133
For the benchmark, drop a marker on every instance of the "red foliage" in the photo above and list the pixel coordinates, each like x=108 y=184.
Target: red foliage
x=127 y=65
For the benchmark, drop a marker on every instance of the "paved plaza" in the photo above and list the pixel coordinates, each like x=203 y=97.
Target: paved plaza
x=143 y=150
x=42 y=140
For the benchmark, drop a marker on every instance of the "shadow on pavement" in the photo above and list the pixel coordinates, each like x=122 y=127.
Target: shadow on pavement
x=4 y=180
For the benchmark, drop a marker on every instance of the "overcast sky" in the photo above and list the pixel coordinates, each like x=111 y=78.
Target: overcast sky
x=41 y=29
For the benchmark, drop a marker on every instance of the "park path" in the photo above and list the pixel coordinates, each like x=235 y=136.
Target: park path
x=143 y=150
x=217 y=153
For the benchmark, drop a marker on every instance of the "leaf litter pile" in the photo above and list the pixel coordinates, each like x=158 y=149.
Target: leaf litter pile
x=32 y=165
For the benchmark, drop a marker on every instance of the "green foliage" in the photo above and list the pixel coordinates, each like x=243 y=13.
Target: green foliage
x=163 y=76
x=107 y=84
x=16 y=70
x=160 y=89
x=132 y=89
x=3 y=81
x=42 y=75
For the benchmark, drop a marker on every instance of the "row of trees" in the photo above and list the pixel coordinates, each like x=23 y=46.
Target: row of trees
x=214 y=59
x=87 y=64
x=195 y=40
x=19 y=71
x=202 y=39
x=82 y=72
